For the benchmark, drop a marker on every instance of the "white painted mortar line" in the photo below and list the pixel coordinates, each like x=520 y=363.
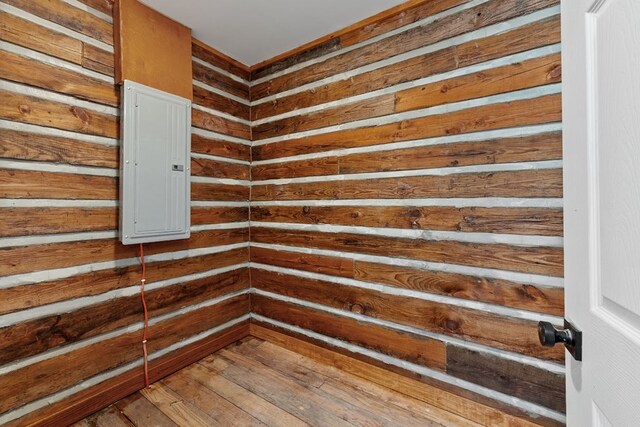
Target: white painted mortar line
x=28 y=165
x=221 y=92
x=484 y=202
x=219 y=159
x=519 y=95
x=466 y=37
x=225 y=181
x=221 y=114
x=426 y=296
x=55 y=27
x=510 y=400
x=55 y=203
x=516 y=357
x=494 y=63
x=54 y=96
x=36 y=277
x=221 y=71
x=50 y=60
x=43 y=130
x=514 y=276
x=216 y=135
x=227 y=204
x=7 y=242
x=453 y=170
x=91 y=10
x=422 y=22
x=131 y=290
x=422 y=234
x=48 y=400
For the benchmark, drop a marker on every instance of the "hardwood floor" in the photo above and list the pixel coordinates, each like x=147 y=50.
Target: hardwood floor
x=257 y=383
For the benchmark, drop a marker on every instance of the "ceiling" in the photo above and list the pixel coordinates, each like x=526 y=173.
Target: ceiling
x=251 y=31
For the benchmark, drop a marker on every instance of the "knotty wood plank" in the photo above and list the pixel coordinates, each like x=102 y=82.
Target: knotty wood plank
x=456 y=400
x=93 y=398
x=526 y=259
x=530 y=148
x=507 y=333
x=50 y=375
x=218 y=214
x=218 y=169
x=96 y=59
x=208 y=54
x=537 y=34
x=47 y=220
x=53 y=185
x=298 y=168
x=542 y=299
x=521 y=75
x=403 y=345
x=219 y=410
x=56 y=149
x=218 y=147
x=141 y=412
x=529 y=221
x=33 y=36
x=217 y=192
x=260 y=408
x=209 y=99
x=220 y=81
x=32 y=337
x=526 y=382
x=309 y=262
x=539 y=110
x=38 y=111
x=544 y=146
x=56 y=79
x=368 y=108
x=524 y=75
x=524 y=183
x=462 y=22
x=173 y=406
x=203 y=120
x=68 y=16
x=100 y=281
x=23 y=259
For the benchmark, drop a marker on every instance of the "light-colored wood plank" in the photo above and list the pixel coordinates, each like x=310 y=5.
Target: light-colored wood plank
x=172 y=405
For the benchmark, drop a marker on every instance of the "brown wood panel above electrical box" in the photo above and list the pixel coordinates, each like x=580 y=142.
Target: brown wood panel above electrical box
x=152 y=49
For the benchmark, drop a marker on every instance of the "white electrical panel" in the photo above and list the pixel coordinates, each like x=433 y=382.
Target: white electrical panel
x=154 y=165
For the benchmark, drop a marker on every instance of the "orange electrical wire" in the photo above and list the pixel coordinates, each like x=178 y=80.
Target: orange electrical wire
x=146 y=318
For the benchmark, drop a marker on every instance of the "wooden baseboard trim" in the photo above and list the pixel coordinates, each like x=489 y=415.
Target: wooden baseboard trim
x=456 y=401
x=95 y=398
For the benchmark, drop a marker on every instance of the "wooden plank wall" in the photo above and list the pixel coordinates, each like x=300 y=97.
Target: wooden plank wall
x=407 y=197
x=70 y=312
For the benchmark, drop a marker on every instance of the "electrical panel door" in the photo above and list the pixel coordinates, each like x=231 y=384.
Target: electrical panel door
x=154 y=165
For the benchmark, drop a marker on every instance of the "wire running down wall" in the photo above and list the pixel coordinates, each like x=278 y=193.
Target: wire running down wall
x=406 y=202
x=70 y=311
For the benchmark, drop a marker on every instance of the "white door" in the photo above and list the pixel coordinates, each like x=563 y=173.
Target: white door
x=601 y=108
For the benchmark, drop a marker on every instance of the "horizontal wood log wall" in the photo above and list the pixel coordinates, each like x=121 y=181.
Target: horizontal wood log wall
x=70 y=312
x=406 y=202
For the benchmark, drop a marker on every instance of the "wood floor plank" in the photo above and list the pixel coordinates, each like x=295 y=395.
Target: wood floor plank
x=216 y=407
x=260 y=408
x=143 y=413
x=281 y=391
x=173 y=406
x=336 y=383
x=109 y=417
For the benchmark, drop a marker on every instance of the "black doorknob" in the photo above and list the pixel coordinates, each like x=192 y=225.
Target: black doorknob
x=549 y=335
